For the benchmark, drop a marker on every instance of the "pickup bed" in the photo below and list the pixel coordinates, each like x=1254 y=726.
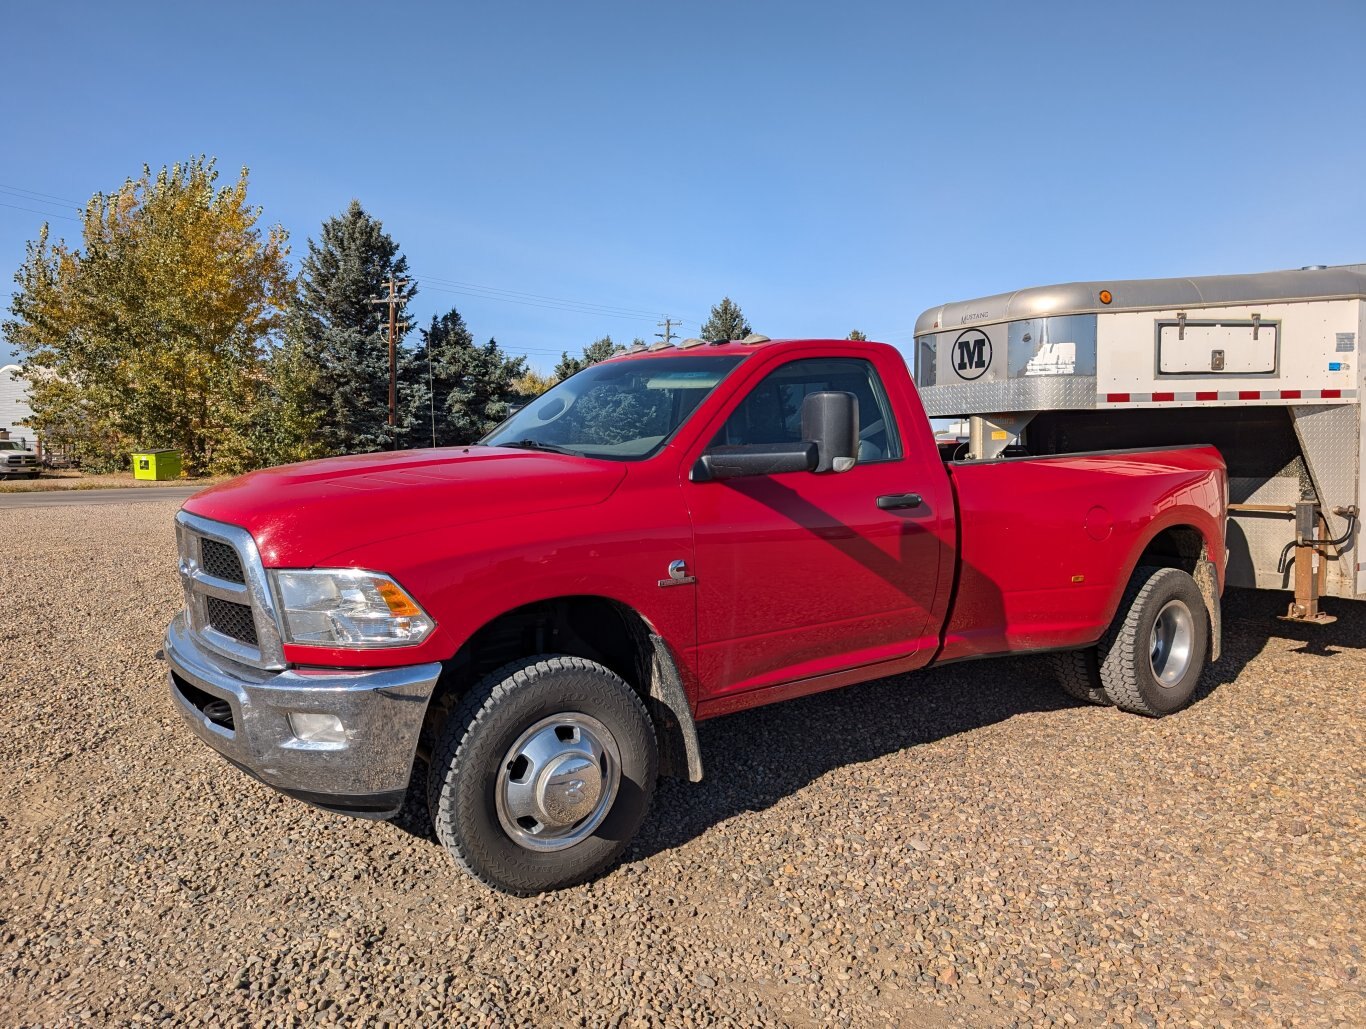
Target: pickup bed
x=541 y=619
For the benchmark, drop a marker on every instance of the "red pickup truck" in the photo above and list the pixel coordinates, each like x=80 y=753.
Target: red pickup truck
x=673 y=534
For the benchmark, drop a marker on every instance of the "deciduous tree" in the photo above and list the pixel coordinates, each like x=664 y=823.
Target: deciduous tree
x=155 y=330
x=532 y=384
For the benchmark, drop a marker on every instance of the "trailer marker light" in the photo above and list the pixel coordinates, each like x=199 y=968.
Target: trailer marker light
x=1106 y=296
x=1078 y=578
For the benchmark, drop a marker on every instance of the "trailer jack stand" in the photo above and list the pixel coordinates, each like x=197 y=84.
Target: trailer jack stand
x=1311 y=575
x=1310 y=584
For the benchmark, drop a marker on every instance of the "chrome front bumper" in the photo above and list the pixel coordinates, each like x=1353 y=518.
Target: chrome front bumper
x=381 y=711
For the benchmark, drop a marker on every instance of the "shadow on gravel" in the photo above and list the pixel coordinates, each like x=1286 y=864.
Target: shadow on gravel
x=756 y=758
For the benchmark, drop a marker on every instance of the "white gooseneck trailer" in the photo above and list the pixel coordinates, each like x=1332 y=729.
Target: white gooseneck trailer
x=1267 y=367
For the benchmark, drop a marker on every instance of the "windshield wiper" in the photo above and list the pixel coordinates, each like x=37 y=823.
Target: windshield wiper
x=535 y=444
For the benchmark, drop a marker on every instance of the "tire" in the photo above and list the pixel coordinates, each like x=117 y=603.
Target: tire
x=524 y=741
x=1151 y=657
x=1078 y=673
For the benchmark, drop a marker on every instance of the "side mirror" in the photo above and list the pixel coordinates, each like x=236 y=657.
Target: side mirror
x=830 y=421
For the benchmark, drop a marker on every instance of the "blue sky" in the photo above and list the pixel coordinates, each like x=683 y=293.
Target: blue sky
x=829 y=166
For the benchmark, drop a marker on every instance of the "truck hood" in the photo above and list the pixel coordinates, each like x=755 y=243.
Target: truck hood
x=301 y=514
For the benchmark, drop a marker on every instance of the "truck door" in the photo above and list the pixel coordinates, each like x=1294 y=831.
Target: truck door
x=803 y=574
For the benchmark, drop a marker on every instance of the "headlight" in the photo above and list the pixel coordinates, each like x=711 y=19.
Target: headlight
x=347 y=607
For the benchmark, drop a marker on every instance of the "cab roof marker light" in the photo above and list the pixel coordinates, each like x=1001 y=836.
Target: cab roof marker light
x=688 y=344
x=754 y=338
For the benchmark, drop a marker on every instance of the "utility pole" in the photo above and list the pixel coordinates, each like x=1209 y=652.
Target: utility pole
x=431 y=389
x=668 y=326
x=394 y=301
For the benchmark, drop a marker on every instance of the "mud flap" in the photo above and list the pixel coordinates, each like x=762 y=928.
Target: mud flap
x=680 y=754
x=1208 y=581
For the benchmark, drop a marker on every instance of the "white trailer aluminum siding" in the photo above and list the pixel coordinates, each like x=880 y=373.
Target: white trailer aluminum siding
x=14 y=403
x=1267 y=366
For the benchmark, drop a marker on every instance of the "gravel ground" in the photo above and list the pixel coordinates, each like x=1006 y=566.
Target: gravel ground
x=959 y=847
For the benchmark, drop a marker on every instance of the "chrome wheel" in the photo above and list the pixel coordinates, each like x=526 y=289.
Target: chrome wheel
x=1173 y=638
x=557 y=782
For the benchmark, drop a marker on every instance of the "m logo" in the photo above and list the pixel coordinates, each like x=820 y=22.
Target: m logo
x=971 y=354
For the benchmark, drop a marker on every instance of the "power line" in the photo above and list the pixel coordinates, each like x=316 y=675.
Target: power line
x=568 y=306
x=435 y=283
x=45 y=214
x=454 y=283
x=35 y=193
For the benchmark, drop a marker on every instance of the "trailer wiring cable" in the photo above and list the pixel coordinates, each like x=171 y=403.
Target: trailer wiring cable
x=1282 y=566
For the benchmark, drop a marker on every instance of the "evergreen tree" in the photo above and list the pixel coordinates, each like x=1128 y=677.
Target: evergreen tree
x=345 y=335
x=287 y=429
x=473 y=388
x=857 y=336
x=599 y=350
x=727 y=321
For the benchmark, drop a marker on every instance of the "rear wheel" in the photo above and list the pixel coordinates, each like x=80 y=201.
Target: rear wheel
x=1078 y=672
x=1151 y=658
x=543 y=774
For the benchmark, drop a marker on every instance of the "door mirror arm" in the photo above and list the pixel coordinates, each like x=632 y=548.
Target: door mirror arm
x=754 y=459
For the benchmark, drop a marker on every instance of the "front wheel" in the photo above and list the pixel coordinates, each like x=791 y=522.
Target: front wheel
x=543 y=774
x=1151 y=657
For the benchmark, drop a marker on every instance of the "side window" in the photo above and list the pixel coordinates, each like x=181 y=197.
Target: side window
x=772 y=412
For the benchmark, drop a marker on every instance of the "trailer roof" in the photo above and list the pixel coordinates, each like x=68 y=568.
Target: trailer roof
x=1342 y=282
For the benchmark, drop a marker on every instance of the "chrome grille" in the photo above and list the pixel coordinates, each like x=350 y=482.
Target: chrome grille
x=231 y=619
x=221 y=561
x=228 y=604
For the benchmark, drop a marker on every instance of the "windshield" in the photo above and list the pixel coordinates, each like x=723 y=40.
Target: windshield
x=7 y=445
x=624 y=410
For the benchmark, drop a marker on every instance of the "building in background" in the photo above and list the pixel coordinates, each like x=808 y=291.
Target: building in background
x=14 y=403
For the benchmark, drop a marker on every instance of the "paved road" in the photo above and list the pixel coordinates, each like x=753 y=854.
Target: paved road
x=67 y=497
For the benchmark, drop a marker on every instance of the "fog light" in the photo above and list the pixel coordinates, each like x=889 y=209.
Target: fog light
x=316 y=728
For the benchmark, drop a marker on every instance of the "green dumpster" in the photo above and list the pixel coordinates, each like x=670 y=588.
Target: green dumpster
x=156 y=464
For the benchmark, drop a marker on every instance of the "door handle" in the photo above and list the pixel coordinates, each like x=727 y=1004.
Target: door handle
x=895 y=500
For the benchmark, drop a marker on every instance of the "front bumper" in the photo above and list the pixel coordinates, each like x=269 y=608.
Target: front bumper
x=381 y=711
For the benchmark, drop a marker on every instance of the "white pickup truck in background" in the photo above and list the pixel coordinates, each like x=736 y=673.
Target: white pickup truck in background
x=18 y=460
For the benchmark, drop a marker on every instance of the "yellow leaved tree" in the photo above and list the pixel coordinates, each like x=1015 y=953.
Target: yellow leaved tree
x=159 y=328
